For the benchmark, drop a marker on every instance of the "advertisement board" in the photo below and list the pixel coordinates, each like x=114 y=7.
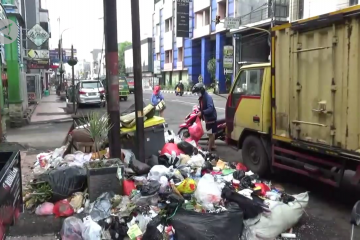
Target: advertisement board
x=182 y=18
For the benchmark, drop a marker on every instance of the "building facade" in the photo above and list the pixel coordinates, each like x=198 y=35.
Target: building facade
x=16 y=96
x=186 y=58
x=147 y=65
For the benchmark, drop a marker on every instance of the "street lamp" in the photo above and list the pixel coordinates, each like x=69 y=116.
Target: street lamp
x=61 y=60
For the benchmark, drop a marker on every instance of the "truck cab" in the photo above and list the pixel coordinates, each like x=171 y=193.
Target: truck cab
x=248 y=114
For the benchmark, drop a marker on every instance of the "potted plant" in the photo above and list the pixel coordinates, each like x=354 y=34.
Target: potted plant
x=103 y=175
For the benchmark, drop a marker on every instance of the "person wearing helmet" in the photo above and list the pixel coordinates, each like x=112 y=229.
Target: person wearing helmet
x=156 y=98
x=179 y=87
x=207 y=112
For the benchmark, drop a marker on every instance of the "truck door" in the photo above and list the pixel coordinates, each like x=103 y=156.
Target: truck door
x=243 y=108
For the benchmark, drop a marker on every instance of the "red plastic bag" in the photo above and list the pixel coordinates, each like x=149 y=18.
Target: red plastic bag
x=196 y=131
x=128 y=187
x=169 y=148
x=241 y=166
x=63 y=208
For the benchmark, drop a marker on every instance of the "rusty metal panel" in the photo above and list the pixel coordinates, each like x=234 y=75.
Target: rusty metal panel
x=317 y=84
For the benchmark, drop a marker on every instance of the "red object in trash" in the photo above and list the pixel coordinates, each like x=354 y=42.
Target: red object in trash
x=63 y=208
x=264 y=188
x=241 y=166
x=196 y=131
x=169 y=148
x=128 y=186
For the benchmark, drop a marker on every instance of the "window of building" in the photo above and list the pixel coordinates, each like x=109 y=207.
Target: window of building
x=250 y=82
x=168 y=56
x=301 y=9
x=158 y=29
x=353 y=2
x=158 y=56
x=221 y=9
x=180 y=54
x=198 y=19
x=168 y=25
x=206 y=17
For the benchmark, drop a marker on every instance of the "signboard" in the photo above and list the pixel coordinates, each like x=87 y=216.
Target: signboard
x=157 y=68
x=228 y=59
x=38 y=35
x=182 y=18
x=2 y=13
x=66 y=55
x=232 y=23
x=38 y=64
x=38 y=54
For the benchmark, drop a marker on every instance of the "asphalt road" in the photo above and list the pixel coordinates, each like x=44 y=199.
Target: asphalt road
x=327 y=215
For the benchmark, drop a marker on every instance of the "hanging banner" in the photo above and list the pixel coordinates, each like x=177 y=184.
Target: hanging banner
x=228 y=58
x=182 y=18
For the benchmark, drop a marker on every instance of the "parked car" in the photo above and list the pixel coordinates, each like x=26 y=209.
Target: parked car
x=90 y=92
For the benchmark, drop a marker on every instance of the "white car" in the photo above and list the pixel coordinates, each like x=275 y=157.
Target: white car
x=90 y=92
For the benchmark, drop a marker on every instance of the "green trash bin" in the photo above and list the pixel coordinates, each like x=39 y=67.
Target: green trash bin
x=46 y=93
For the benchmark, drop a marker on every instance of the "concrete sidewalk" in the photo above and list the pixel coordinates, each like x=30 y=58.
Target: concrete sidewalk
x=50 y=109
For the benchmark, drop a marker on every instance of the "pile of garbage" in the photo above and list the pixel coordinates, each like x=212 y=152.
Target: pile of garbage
x=182 y=193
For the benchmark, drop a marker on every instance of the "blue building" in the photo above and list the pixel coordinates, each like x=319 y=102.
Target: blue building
x=177 y=58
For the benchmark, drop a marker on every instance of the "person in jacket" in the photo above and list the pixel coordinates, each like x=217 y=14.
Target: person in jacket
x=207 y=113
x=156 y=98
x=180 y=85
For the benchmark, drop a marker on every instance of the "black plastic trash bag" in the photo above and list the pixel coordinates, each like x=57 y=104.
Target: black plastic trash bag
x=138 y=167
x=64 y=181
x=191 y=225
x=152 y=231
x=152 y=161
x=150 y=188
x=187 y=148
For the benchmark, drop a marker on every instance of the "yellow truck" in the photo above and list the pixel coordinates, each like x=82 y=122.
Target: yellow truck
x=301 y=111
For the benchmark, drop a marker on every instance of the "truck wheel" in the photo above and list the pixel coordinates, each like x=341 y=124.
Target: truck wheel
x=125 y=98
x=254 y=155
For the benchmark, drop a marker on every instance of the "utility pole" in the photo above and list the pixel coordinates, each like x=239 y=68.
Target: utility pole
x=112 y=78
x=272 y=13
x=73 y=79
x=136 y=46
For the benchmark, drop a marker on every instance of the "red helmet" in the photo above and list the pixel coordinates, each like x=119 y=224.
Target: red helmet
x=157 y=89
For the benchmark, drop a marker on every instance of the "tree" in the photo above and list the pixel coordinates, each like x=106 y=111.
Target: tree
x=211 y=67
x=121 y=54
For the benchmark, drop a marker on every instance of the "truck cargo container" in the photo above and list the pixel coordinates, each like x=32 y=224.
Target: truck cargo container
x=301 y=111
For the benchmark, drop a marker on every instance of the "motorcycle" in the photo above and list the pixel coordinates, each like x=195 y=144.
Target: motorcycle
x=355 y=218
x=190 y=119
x=178 y=92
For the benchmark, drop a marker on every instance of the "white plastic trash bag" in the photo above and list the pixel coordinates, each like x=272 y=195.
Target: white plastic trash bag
x=281 y=218
x=157 y=171
x=196 y=161
x=92 y=230
x=169 y=135
x=208 y=192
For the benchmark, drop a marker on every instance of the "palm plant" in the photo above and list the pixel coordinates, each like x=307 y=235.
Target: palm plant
x=98 y=127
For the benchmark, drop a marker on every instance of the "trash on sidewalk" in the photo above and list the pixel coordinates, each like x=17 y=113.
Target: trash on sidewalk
x=180 y=191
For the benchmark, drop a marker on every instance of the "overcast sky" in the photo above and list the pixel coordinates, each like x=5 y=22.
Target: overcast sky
x=86 y=29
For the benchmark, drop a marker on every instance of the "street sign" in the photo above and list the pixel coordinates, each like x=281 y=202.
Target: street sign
x=232 y=23
x=228 y=71
x=38 y=54
x=38 y=35
x=228 y=58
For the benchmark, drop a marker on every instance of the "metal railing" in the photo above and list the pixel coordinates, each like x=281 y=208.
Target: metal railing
x=265 y=12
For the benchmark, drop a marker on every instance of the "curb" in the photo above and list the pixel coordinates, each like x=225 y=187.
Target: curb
x=64 y=120
x=185 y=93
